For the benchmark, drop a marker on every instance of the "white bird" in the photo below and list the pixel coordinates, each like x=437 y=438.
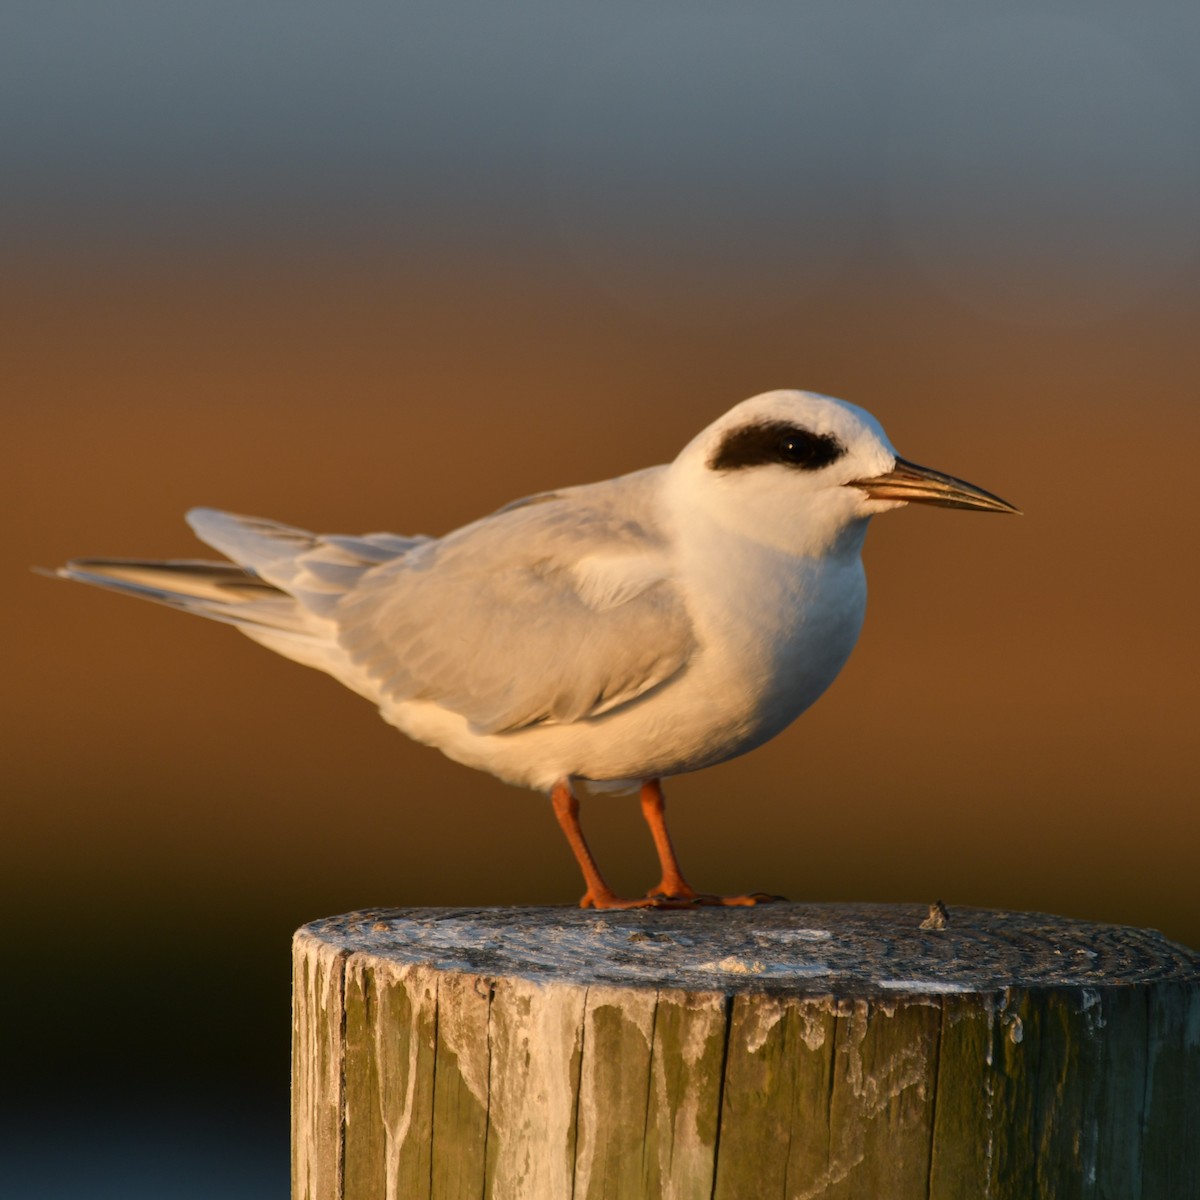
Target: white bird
x=611 y=634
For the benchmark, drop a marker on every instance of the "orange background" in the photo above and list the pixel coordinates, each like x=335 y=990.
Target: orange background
x=1017 y=727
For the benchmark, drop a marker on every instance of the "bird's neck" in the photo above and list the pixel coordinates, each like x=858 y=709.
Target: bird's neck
x=822 y=533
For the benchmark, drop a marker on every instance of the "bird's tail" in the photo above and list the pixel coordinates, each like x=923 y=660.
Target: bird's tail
x=280 y=589
x=221 y=591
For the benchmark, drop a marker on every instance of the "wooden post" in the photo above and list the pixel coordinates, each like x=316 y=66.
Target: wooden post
x=794 y=1050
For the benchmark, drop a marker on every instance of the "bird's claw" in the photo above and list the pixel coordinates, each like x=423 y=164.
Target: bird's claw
x=694 y=899
x=613 y=901
x=658 y=899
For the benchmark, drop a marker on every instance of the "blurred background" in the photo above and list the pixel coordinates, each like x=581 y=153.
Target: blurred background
x=390 y=265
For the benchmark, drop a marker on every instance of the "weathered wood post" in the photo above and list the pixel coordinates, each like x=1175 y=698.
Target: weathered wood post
x=794 y=1050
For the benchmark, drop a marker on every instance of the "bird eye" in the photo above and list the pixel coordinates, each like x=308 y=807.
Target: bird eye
x=800 y=449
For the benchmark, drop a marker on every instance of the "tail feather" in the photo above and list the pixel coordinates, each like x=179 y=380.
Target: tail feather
x=220 y=591
x=318 y=570
x=194 y=577
x=281 y=588
x=267 y=548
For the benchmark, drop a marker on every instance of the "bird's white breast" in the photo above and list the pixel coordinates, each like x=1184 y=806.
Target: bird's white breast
x=772 y=631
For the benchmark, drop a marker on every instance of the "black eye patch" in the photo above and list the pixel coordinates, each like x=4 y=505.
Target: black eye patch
x=776 y=442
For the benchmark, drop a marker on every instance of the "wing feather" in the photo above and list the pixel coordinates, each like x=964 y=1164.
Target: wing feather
x=505 y=621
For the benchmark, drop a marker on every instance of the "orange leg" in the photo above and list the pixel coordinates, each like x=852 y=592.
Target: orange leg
x=673 y=886
x=654 y=809
x=598 y=894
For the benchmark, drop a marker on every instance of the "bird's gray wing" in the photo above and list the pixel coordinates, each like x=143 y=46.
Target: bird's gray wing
x=316 y=570
x=549 y=611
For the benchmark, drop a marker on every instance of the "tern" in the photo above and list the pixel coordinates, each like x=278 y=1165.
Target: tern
x=611 y=634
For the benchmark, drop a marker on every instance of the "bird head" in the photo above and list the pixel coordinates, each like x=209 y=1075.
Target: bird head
x=804 y=472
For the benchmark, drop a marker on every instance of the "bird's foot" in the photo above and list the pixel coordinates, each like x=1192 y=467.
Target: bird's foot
x=612 y=900
x=606 y=899
x=748 y=900
x=680 y=894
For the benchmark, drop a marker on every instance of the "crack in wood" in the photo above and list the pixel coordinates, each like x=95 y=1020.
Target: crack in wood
x=722 y=1077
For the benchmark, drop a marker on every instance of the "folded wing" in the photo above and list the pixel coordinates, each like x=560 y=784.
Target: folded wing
x=551 y=611
x=555 y=609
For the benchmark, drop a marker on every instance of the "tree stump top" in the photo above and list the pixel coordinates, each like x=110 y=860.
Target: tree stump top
x=860 y=950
